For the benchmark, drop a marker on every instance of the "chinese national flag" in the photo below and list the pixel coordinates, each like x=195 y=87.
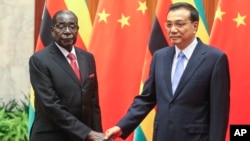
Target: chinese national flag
x=119 y=42
x=230 y=33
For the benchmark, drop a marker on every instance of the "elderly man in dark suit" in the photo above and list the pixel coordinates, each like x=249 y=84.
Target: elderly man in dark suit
x=194 y=108
x=64 y=80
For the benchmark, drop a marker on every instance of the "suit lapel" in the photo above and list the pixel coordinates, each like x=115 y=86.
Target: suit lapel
x=168 y=67
x=81 y=59
x=62 y=61
x=195 y=61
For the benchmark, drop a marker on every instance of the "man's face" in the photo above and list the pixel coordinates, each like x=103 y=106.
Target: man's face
x=65 y=30
x=181 y=30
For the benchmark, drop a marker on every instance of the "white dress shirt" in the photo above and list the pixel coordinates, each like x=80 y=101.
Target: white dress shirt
x=188 y=51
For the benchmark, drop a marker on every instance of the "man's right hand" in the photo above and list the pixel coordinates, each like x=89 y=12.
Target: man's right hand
x=95 y=136
x=113 y=133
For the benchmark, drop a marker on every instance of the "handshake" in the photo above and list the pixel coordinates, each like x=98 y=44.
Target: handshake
x=111 y=135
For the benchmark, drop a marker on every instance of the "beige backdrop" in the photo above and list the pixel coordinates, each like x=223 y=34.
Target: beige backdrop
x=16 y=46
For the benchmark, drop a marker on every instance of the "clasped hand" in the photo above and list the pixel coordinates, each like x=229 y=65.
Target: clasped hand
x=97 y=136
x=111 y=134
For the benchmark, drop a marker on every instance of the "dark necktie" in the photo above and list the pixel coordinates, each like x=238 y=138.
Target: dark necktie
x=73 y=65
x=178 y=71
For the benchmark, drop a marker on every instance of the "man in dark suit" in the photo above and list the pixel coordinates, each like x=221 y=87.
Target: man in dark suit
x=198 y=108
x=66 y=104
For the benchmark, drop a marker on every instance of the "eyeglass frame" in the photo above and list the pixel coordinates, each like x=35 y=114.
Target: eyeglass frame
x=178 y=24
x=71 y=27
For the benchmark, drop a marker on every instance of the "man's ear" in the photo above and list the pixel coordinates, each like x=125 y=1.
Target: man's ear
x=195 y=25
x=52 y=31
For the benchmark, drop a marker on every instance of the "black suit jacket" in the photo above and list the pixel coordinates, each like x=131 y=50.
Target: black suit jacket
x=65 y=108
x=199 y=109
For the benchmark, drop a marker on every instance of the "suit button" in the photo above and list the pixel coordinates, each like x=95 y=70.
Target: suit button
x=171 y=105
x=83 y=91
x=170 y=126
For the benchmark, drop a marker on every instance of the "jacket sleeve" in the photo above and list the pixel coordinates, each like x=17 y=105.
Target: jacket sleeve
x=141 y=105
x=219 y=99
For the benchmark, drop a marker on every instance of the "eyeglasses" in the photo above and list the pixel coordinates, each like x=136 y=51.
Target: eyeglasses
x=63 y=27
x=178 y=24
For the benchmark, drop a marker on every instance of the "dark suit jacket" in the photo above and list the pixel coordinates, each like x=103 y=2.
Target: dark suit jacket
x=65 y=108
x=199 y=109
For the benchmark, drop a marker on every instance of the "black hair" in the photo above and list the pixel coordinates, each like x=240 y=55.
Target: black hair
x=194 y=15
x=62 y=12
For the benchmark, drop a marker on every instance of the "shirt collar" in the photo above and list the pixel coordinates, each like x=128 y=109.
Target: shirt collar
x=65 y=52
x=188 y=50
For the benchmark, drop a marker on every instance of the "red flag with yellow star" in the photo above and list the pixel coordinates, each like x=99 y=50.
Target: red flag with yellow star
x=119 y=42
x=229 y=33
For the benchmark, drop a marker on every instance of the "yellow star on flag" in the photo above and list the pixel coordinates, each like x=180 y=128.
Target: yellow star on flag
x=240 y=20
x=219 y=14
x=142 y=7
x=124 y=20
x=103 y=16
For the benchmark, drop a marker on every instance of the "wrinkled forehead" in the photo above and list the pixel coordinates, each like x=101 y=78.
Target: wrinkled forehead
x=66 y=18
